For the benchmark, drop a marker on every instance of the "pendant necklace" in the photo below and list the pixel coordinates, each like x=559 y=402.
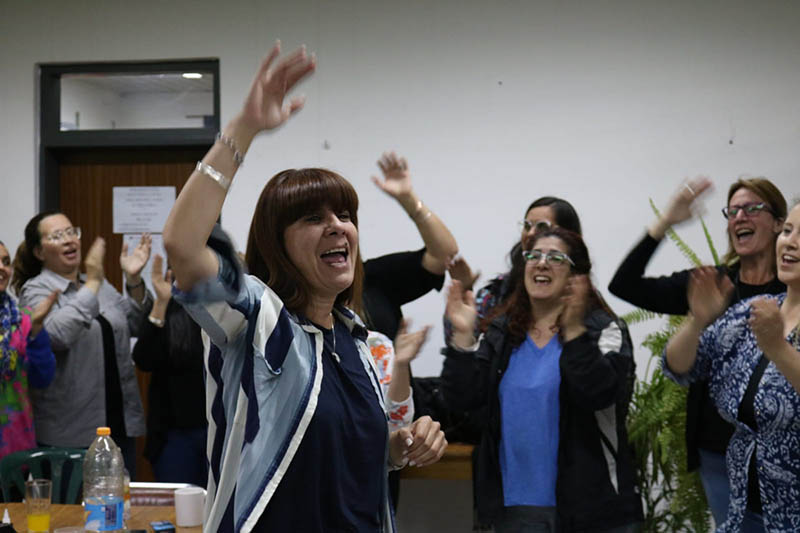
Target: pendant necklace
x=333 y=335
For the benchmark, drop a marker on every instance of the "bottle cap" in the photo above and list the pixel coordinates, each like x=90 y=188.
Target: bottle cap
x=104 y=431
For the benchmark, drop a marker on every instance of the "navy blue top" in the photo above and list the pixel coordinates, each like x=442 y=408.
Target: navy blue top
x=336 y=480
x=529 y=416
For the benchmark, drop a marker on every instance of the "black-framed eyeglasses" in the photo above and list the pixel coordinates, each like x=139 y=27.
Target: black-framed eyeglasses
x=60 y=235
x=528 y=225
x=553 y=258
x=750 y=210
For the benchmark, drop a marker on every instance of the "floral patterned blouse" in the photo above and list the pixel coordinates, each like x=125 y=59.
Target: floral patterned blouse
x=382 y=348
x=727 y=355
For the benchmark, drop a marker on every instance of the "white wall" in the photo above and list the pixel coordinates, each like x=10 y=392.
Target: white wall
x=165 y=110
x=494 y=104
x=88 y=107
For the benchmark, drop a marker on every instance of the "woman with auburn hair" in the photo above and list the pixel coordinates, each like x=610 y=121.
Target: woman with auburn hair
x=541 y=214
x=755 y=212
x=748 y=353
x=299 y=439
x=555 y=369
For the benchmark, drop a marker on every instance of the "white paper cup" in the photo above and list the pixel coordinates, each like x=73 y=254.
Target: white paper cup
x=189 y=502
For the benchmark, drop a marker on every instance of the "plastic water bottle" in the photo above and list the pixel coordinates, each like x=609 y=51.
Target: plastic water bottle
x=103 y=488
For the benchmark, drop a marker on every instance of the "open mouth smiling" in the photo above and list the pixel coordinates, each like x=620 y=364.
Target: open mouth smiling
x=743 y=234
x=335 y=256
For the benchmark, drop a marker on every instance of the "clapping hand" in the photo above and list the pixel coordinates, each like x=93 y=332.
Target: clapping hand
x=460 y=270
x=41 y=311
x=407 y=345
x=576 y=301
x=462 y=313
x=767 y=325
x=709 y=293
x=162 y=283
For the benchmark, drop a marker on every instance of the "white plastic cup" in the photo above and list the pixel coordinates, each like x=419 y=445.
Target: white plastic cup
x=189 y=502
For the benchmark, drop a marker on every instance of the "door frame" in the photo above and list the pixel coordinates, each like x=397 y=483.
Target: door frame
x=55 y=144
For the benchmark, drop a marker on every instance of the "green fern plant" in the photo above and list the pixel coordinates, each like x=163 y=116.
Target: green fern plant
x=674 y=500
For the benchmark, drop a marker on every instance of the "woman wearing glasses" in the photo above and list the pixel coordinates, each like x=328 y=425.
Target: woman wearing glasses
x=755 y=213
x=749 y=355
x=543 y=213
x=555 y=369
x=90 y=327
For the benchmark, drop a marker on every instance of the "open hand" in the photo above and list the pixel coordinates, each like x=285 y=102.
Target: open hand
x=709 y=293
x=396 y=178
x=460 y=270
x=407 y=345
x=41 y=311
x=133 y=263
x=680 y=207
x=267 y=106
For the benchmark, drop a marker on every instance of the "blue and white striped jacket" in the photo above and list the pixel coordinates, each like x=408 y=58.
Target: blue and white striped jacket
x=263 y=377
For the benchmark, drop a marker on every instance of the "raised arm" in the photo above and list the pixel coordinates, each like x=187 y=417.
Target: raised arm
x=709 y=294
x=440 y=245
x=664 y=294
x=197 y=208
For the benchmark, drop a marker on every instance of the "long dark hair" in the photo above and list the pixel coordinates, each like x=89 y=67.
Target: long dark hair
x=26 y=264
x=566 y=217
x=518 y=305
x=287 y=197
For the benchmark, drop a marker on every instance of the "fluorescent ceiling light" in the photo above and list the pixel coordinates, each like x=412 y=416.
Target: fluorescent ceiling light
x=192 y=75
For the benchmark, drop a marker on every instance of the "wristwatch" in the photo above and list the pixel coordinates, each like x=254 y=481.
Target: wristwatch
x=155 y=321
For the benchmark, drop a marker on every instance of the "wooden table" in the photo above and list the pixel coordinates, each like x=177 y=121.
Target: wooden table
x=456 y=463
x=72 y=515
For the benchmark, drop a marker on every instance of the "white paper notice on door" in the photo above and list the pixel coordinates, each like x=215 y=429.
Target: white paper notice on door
x=142 y=209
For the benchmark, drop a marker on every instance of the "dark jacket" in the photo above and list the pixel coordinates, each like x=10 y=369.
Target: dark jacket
x=176 y=396
x=596 y=485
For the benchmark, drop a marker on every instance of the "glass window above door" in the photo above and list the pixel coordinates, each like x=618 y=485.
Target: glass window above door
x=134 y=101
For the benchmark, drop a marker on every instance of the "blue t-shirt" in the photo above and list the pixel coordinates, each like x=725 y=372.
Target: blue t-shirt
x=529 y=424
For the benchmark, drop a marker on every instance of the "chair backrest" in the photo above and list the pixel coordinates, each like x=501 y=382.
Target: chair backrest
x=15 y=468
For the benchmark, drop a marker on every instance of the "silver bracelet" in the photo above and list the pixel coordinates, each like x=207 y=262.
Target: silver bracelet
x=214 y=174
x=238 y=157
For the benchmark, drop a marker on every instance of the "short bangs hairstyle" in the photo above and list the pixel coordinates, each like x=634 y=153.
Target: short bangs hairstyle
x=767 y=191
x=287 y=197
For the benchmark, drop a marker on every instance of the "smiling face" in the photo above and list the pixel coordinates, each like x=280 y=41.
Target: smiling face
x=5 y=268
x=323 y=246
x=61 y=256
x=755 y=234
x=787 y=250
x=543 y=281
x=537 y=214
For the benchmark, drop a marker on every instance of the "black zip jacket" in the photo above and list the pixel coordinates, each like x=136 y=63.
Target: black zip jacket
x=596 y=484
